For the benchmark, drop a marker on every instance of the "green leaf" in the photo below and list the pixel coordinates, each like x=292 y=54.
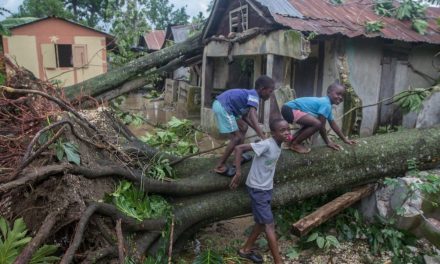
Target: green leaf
x=373 y=26
x=320 y=242
x=332 y=240
x=292 y=253
x=72 y=153
x=420 y=26
x=44 y=255
x=59 y=151
x=208 y=257
x=312 y=237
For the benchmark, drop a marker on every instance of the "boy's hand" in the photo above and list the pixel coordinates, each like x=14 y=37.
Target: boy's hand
x=334 y=146
x=235 y=181
x=350 y=141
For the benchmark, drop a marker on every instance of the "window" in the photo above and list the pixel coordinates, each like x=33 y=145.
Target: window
x=238 y=19
x=64 y=55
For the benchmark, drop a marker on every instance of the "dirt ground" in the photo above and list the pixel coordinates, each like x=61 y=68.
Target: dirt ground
x=227 y=236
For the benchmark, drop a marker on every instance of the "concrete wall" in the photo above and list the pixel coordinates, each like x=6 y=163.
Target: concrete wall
x=364 y=61
x=422 y=58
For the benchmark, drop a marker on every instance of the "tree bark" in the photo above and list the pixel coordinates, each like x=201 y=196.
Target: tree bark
x=118 y=76
x=299 y=177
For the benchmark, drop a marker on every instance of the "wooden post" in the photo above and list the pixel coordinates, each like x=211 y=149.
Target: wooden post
x=325 y=212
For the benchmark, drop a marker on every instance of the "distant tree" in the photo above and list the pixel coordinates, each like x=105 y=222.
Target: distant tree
x=179 y=16
x=198 y=19
x=211 y=5
x=161 y=14
x=3 y=30
x=93 y=12
x=128 y=24
x=43 y=8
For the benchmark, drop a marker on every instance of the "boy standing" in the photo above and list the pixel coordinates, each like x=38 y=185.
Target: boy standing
x=235 y=109
x=312 y=113
x=259 y=185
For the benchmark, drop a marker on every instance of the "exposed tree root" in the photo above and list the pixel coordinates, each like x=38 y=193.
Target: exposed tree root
x=43 y=233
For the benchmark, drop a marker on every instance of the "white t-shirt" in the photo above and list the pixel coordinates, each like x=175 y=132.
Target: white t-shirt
x=264 y=163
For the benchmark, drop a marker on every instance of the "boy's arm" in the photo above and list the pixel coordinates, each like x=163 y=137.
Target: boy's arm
x=252 y=120
x=324 y=136
x=238 y=151
x=338 y=131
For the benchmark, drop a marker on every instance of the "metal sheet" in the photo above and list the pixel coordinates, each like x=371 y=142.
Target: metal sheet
x=348 y=19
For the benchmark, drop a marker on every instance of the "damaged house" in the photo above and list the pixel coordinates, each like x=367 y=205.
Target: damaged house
x=307 y=45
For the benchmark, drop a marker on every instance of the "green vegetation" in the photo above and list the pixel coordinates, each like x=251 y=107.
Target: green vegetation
x=126 y=117
x=412 y=100
x=407 y=10
x=159 y=169
x=135 y=203
x=13 y=241
x=373 y=26
x=208 y=256
x=349 y=225
x=62 y=149
x=178 y=137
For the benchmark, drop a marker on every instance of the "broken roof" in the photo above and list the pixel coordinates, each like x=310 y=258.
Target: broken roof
x=324 y=18
x=154 y=39
x=180 y=33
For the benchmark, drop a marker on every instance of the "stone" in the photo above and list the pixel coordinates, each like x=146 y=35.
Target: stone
x=431 y=259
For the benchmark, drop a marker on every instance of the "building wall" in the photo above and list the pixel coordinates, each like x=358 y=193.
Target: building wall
x=22 y=50
x=28 y=45
x=422 y=58
x=364 y=61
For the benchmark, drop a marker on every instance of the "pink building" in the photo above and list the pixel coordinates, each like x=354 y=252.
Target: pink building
x=58 y=49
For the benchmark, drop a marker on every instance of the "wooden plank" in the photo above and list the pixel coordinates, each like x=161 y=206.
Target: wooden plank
x=325 y=212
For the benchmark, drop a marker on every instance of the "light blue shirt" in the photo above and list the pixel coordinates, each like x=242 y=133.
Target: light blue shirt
x=314 y=106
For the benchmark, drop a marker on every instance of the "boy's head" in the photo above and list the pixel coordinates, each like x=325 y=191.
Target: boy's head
x=264 y=86
x=336 y=93
x=279 y=128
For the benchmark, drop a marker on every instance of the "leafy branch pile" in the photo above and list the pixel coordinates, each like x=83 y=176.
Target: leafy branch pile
x=412 y=100
x=178 y=137
x=136 y=203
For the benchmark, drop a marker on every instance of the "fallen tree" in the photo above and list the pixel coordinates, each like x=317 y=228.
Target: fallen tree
x=60 y=199
x=200 y=196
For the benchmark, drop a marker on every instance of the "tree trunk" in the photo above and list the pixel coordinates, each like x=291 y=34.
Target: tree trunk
x=302 y=176
x=118 y=76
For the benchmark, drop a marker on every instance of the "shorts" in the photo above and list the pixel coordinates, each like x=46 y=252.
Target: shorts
x=261 y=208
x=291 y=115
x=226 y=123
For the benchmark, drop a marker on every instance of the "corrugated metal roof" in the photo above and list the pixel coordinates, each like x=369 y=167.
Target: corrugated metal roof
x=282 y=7
x=155 y=39
x=32 y=21
x=348 y=19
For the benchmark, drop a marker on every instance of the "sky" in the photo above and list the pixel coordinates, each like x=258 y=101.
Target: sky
x=193 y=7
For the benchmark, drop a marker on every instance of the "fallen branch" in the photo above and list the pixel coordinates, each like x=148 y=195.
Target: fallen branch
x=325 y=212
x=43 y=233
x=120 y=241
x=79 y=233
x=99 y=254
x=170 y=247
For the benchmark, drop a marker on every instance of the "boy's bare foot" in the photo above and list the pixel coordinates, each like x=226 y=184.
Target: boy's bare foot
x=299 y=148
x=225 y=171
